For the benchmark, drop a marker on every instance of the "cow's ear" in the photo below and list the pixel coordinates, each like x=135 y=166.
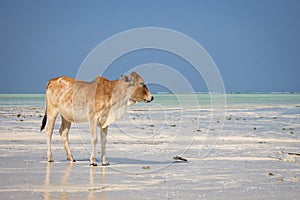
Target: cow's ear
x=125 y=78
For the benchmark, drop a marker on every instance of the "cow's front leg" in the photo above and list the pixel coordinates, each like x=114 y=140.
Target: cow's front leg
x=94 y=139
x=103 y=146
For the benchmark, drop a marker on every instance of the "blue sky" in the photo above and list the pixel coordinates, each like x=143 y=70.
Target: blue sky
x=255 y=44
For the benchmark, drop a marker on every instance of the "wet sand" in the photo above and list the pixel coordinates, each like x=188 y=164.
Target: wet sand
x=254 y=156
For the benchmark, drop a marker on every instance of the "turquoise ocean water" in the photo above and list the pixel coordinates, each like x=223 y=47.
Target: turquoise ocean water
x=167 y=100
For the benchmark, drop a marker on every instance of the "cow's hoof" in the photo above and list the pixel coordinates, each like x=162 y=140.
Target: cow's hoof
x=49 y=158
x=72 y=160
x=93 y=164
x=105 y=164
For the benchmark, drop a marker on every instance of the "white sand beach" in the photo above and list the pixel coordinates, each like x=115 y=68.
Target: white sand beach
x=254 y=156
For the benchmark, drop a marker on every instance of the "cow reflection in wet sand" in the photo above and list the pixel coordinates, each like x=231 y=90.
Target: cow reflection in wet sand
x=58 y=183
x=100 y=102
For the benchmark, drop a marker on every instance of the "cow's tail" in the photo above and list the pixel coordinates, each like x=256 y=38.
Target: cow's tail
x=44 y=122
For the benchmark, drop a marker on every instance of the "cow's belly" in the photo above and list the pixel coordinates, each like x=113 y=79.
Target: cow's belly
x=75 y=116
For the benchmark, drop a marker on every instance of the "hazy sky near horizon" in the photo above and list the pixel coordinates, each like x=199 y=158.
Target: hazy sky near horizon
x=255 y=44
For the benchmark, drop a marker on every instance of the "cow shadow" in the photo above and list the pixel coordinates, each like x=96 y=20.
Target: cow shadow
x=133 y=161
x=130 y=161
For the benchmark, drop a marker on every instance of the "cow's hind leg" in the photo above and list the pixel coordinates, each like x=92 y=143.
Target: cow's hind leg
x=64 y=133
x=94 y=139
x=51 y=117
x=103 y=146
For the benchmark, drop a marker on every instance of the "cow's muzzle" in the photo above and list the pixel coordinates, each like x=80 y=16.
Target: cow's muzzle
x=147 y=101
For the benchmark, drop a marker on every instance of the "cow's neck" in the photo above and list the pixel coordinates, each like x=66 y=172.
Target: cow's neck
x=119 y=103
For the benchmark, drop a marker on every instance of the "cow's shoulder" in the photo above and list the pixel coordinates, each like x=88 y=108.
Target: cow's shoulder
x=104 y=84
x=101 y=80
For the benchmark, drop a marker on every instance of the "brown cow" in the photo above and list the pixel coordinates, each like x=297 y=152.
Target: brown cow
x=100 y=102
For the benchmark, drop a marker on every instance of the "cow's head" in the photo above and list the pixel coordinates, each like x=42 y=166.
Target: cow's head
x=140 y=92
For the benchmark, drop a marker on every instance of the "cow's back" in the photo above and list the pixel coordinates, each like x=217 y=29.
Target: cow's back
x=80 y=101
